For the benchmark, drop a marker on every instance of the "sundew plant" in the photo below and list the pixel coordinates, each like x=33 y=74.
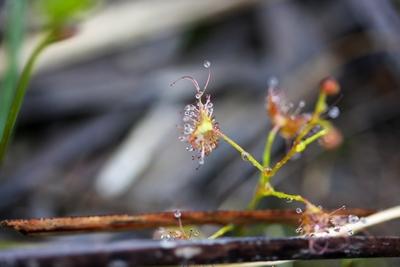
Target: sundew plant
x=202 y=133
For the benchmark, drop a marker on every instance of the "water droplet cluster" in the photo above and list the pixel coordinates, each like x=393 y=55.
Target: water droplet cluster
x=315 y=223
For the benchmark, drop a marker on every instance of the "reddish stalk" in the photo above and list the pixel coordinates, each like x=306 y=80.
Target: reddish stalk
x=105 y=223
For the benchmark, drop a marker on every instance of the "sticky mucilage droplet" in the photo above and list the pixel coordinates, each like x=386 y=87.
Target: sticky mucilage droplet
x=206 y=64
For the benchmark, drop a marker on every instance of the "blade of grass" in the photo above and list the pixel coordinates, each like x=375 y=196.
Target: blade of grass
x=15 y=10
x=60 y=14
x=125 y=222
x=20 y=93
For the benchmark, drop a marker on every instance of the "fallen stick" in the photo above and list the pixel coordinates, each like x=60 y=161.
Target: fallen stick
x=224 y=250
x=153 y=220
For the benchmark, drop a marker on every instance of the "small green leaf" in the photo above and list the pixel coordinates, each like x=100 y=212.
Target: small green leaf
x=60 y=12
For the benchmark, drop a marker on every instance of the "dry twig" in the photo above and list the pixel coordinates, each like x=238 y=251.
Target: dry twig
x=226 y=250
x=154 y=220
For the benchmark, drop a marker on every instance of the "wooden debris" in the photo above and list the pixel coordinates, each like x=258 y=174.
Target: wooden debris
x=226 y=250
x=154 y=220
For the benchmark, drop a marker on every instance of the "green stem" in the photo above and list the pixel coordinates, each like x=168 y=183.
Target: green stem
x=242 y=152
x=283 y=195
x=254 y=202
x=227 y=228
x=20 y=93
x=267 y=191
x=268 y=147
x=320 y=106
x=264 y=176
x=303 y=144
x=256 y=197
x=264 y=188
x=299 y=144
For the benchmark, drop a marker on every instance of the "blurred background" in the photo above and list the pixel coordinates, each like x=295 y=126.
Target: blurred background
x=98 y=133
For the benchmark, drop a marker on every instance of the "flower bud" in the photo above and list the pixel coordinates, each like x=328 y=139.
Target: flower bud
x=332 y=139
x=330 y=86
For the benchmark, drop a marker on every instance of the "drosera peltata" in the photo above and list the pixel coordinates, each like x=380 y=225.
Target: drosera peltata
x=202 y=133
x=180 y=232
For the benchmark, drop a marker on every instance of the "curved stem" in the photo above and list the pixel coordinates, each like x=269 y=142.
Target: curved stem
x=253 y=161
x=320 y=106
x=242 y=152
x=20 y=93
x=222 y=231
x=254 y=201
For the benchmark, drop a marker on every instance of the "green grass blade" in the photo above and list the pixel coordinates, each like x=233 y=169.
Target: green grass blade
x=20 y=93
x=15 y=10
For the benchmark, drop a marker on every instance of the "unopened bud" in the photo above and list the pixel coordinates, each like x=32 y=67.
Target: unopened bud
x=330 y=86
x=332 y=139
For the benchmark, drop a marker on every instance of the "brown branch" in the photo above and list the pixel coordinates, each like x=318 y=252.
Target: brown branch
x=226 y=250
x=154 y=220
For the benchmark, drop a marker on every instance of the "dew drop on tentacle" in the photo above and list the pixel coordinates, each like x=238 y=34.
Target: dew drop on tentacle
x=177 y=214
x=199 y=95
x=353 y=219
x=245 y=156
x=206 y=64
x=350 y=232
x=187 y=131
x=273 y=82
x=201 y=161
x=300 y=106
x=334 y=112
